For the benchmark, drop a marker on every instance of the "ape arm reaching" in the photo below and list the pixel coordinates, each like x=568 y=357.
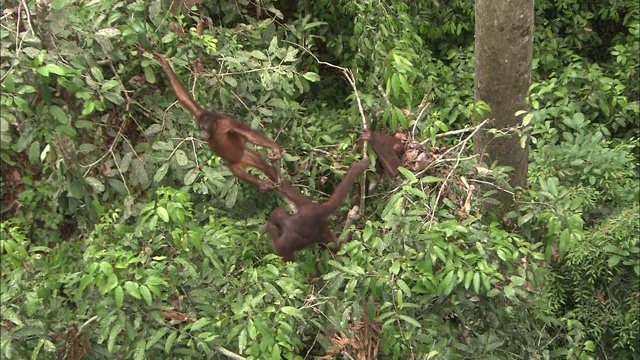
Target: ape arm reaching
x=225 y=136
x=309 y=225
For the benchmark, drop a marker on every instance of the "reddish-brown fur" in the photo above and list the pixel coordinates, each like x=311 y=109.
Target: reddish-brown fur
x=226 y=137
x=310 y=224
x=388 y=149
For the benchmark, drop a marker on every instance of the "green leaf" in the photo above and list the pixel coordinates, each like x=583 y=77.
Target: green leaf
x=232 y=195
x=604 y=107
x=58 y=4
x=34 y=153
x=367 y=232
x=448 y=282
x=113 y=335
x=36 y=351
x=589 y=346
x=106 y=268
x=96 y=72
x=202 y=322
x=141 y=345
x=109 y=85
x=440 y=253
x=88 y=107
x=409 y=175
x=230 y=80
x=613 y=260
x=97 y=186
x=112 y=282
x=181 y=158
x=564 y=241
x=163 y=213
x=67 y=130
x=58 y=114
x=251 y=329
x=485 y=281
x=190 y=177
x=404 y=287
x=259 y=55
x=149 y=75
x=509 y=292
x=133 y=289
x=431 y=179
x=468 y=276
x=395 y=268
x=395 y=85
x=86 y=280
x=404 y=84
x=146 y=294
x=476 y=282
x=290 y=310
x=169 y=343
x=114 y=98
x=157 y=335
x=553 y=189
x=119 y=296
x=410 y=320
x=242 y=340
x=311 y=76
x=517 y=280
x=153 y=129
x=161 y=173
x=9 y=83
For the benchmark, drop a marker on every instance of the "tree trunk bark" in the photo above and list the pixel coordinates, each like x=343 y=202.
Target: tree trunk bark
x=503 y=61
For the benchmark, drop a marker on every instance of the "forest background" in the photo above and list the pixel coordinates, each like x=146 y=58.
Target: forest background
x=122 y=236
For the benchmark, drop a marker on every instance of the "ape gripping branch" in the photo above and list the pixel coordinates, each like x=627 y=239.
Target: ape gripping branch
x=226 y=136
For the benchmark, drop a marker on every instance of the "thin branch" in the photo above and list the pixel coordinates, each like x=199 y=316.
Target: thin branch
x=424 y=104
x=109 y=151
x=382 y=92
x=124 y=88
x=348 y=74
x=229 y=354
x=190 y=138
x=453 y=132
x=115 y=162
x=462 y=146
x=492 y=184
x=87 y=323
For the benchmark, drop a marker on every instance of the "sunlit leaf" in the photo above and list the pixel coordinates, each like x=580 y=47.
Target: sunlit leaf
x=162 y=213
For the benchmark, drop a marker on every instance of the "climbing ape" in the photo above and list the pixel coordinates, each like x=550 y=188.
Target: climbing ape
x=226 y=137
x=388 y=149
x=310 y=224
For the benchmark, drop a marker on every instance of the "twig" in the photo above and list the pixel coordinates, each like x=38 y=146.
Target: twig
x=462 y=146
x=115 y=162
x=229 y=354
x=178 y=146
x=424 y=104
x=348 y=74
x=124 y=88
x=115 y=140
x=382 y=92
x=87 y=323
x=452 y=132
x=492 y=184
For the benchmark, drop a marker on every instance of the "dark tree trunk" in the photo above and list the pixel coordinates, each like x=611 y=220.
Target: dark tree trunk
x=503 y=60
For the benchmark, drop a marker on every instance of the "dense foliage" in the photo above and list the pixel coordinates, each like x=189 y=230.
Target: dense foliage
x=122 y=236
